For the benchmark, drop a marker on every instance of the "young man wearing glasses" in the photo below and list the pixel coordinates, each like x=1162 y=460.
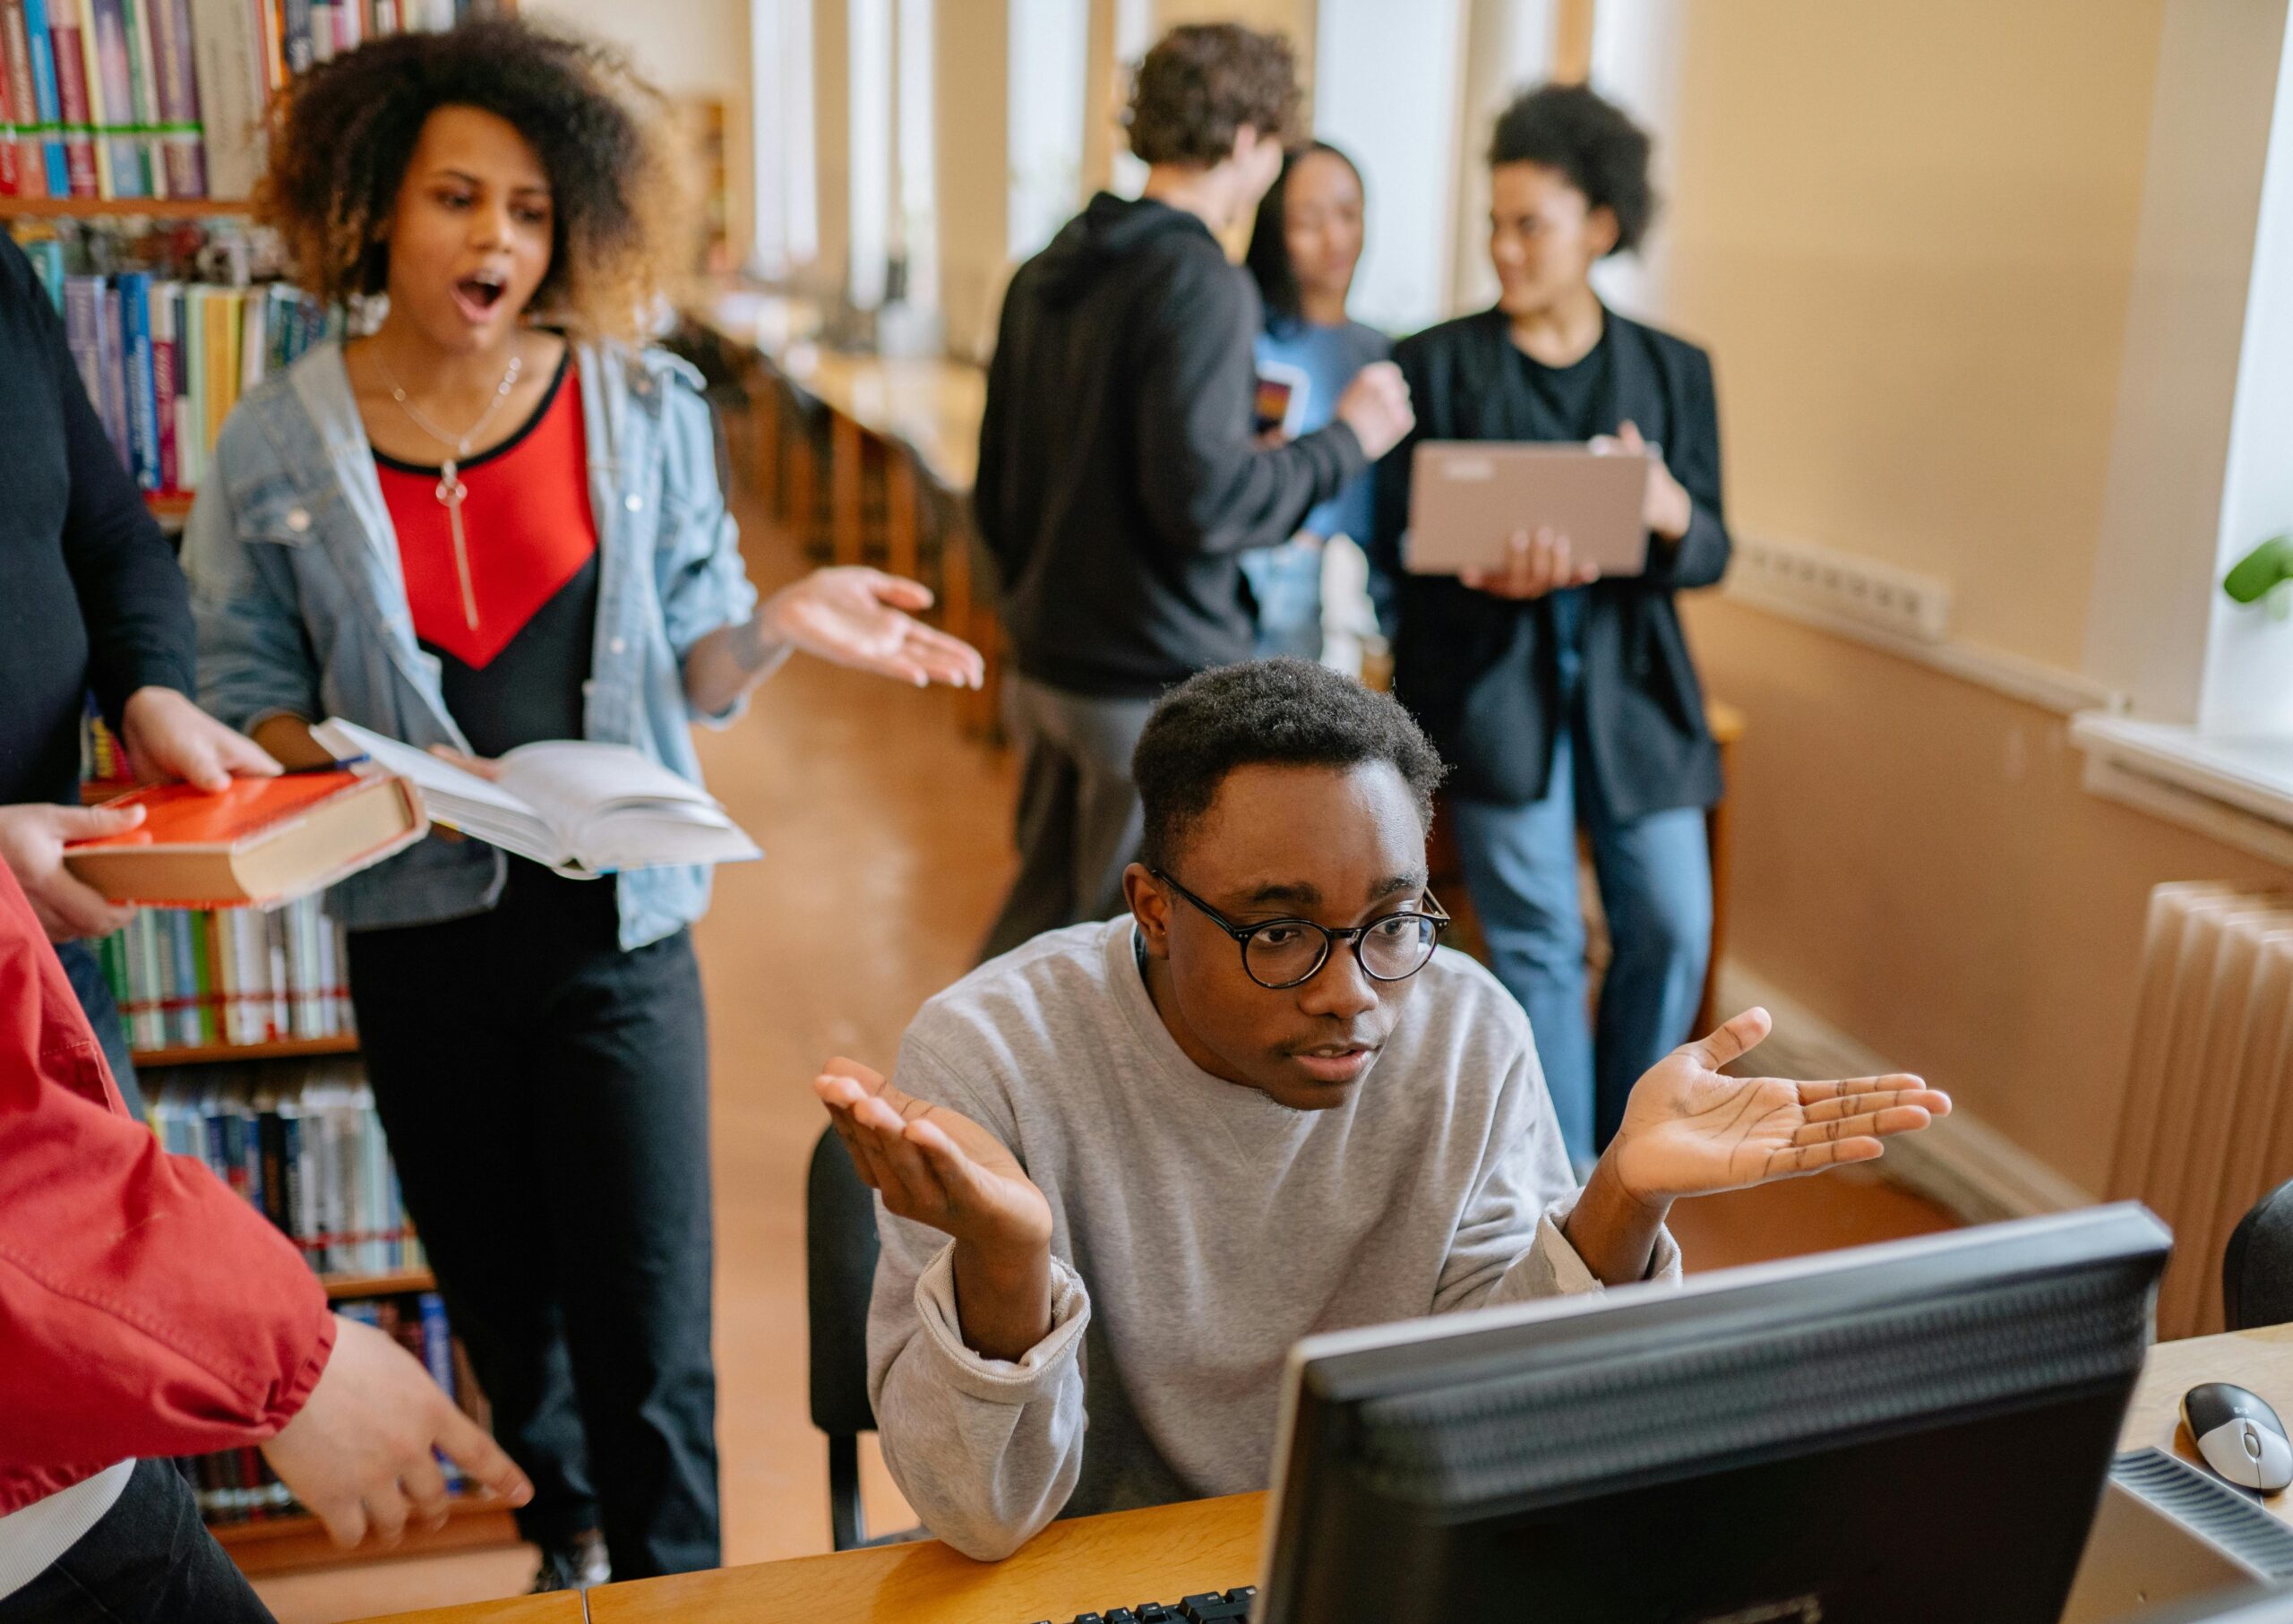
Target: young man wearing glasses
x=1128 y=1164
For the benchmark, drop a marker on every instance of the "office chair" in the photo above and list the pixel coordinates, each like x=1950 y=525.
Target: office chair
x=2257 y=1265
x=839 y=1272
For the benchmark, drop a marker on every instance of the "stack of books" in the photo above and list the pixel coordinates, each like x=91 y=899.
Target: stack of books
x=165 y=98
x=304 y=1145
x=198 y=978
x=238 y=1485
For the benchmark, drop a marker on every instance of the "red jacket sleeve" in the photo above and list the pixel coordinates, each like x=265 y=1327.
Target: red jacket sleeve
x=145 y=1309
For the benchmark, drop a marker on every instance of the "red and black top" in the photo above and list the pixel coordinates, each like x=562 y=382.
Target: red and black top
x=532 y=545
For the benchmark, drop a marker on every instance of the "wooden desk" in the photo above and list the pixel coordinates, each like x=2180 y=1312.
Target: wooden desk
x=558 y=1607
x=1162 y=1554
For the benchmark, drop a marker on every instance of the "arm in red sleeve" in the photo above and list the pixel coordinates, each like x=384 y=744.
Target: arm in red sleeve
x=144 y=1308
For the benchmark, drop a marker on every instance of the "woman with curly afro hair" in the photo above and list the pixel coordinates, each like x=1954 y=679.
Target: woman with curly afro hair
x=1558 y=696
x=496 y=520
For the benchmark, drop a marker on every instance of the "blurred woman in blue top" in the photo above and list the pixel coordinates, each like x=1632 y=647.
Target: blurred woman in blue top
x=1303 y=252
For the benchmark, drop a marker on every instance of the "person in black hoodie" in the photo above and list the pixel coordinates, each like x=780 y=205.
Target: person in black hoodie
x=1120 y=475
x=1561 y=698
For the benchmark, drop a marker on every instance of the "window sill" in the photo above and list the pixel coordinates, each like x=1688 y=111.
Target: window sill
x=2237 y=789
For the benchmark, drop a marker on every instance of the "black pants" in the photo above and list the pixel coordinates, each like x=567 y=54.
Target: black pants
x=149 y=1557
x=546 y=1097
x=85 y=969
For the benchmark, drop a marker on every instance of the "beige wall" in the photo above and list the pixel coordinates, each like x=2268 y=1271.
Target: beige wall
x=1907 y=229
x=1916 y=863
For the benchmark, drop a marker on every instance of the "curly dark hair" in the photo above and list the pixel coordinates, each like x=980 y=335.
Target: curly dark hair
x=342 y=134
x=1194 y=92
x=1269 y=259
x=1286 y=712
x=1574 y=129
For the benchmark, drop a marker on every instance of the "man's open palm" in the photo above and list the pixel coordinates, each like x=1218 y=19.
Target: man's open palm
x=934 y=1165
x=1690 y=1130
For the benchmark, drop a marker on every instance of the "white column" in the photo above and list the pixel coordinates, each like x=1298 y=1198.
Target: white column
x=1382 y=79
x=869 y=55
x=780 y=135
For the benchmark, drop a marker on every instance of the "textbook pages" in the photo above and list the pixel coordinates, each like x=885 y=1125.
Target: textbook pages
x=582 y=809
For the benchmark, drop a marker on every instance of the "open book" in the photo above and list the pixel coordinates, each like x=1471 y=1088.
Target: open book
x=583 y=808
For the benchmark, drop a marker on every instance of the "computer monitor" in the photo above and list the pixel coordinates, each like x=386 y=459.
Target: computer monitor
x=1894 y=1434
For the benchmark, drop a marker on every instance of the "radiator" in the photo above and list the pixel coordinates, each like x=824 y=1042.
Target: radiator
x=2208 y=1124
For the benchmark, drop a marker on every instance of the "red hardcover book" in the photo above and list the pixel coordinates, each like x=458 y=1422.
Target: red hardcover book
x=261 y=841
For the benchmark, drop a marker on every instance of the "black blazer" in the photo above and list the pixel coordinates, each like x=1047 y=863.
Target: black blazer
x=1480 y=671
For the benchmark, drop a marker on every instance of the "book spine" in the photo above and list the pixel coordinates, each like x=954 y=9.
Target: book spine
x=76 y=112
x=103 y=41
x=270 y=1140
x=295 y=31
x=84 y=310
x=46 y=102
x=182 y=145
x=140 y=380
x=143 y=95
x=111 y=372
x=23 y=172
x=226 y=58
x=191 y=437
x=165 y=295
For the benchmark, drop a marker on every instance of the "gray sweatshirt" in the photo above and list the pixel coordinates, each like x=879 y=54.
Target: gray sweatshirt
x=1198 y=1230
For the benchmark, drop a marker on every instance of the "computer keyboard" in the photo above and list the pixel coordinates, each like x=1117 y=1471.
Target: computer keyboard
x=1209 y=1608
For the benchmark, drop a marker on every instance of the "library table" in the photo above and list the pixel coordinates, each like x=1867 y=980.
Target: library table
x=1160 y=1554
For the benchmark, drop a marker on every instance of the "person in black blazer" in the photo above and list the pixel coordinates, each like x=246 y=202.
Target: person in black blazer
x=1561 y=698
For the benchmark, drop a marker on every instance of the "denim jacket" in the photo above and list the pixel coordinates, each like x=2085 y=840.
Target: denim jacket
x=302 y=608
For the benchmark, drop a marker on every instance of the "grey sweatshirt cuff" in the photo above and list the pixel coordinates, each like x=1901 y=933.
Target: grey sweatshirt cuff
x=1034 y=1374
x=1569 y=1270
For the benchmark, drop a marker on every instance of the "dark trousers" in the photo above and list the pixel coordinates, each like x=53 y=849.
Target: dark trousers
x=546 y=1096
x=1079 y=820
x=149 y=1557
x=85 y=970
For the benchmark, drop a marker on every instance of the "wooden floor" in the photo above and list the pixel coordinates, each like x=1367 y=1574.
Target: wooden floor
x=887 y=848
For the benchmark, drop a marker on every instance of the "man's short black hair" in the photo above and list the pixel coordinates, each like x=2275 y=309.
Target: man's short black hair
x=1574 y=129
x=1281 y=712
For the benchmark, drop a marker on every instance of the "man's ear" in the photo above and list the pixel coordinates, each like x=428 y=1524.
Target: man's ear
x=1150 y=906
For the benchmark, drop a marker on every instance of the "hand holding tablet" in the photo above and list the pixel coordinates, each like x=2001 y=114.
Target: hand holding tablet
x=1521 y=520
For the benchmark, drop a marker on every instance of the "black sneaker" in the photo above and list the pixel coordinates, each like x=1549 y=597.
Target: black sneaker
x=576 y=1566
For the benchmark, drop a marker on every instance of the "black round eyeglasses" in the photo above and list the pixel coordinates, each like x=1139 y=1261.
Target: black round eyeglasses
x=1283 y=953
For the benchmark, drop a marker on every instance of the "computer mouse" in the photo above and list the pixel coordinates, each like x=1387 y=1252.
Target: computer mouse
x=2238 y=1436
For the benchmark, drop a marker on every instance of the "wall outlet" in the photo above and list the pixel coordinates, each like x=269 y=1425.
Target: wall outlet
x=1827 y=582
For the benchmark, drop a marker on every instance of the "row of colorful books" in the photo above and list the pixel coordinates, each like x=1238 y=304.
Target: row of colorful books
x=303 y=1143
x=165 y=98
x=238 y=1485
x=199 y=977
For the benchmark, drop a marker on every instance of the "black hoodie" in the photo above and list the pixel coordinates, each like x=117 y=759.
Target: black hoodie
x=1119 y=475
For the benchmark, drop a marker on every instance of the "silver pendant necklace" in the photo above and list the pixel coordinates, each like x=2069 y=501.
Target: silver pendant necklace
x=451 y=492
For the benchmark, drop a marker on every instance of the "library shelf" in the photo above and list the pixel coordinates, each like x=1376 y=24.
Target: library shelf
x=342 y=1287
x=280 y=1545
x=284 y=1048
x=123 y=208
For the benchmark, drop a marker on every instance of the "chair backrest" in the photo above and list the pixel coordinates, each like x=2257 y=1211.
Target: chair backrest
x=839 y=1273
x=2257 y=1265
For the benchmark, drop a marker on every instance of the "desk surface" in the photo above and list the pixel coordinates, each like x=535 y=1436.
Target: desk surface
x=1092 y=1563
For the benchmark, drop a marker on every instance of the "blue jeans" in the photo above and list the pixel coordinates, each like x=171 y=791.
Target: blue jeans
x=1656 y=879
x=1287 y=583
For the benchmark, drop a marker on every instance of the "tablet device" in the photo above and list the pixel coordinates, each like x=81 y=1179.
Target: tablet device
x=1468 y=497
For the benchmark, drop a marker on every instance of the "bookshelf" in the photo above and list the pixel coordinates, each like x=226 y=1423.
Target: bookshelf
x=172 y=506
x=213 y=1054
x=122 y=208
x=280 y=1544
x=341 y=1288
